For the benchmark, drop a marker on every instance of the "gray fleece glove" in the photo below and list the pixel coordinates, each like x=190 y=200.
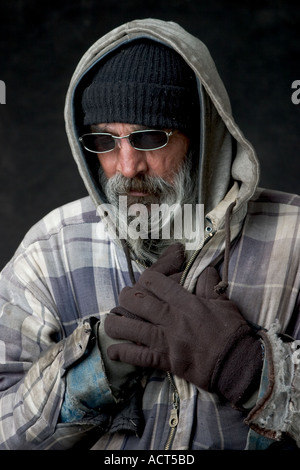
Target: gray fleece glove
x=121 y=376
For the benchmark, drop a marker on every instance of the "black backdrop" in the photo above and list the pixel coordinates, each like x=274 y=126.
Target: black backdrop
x=256 y=48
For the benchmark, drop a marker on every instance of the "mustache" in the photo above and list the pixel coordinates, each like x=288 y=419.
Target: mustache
x=120 y=184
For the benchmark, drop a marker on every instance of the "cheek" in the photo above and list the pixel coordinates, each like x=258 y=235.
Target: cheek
x=169 y=162
x=108 y=165
x=164 y=168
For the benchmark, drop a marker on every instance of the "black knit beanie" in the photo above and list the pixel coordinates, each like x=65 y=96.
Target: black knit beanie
x=145 y=83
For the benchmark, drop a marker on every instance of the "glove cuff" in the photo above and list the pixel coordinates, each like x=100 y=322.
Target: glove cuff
x=238 y=371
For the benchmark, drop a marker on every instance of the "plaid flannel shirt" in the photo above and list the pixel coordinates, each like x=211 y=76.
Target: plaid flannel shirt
x=63 y=274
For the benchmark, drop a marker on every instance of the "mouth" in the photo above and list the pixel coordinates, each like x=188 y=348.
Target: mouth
x=137 y=193
x=140 y=197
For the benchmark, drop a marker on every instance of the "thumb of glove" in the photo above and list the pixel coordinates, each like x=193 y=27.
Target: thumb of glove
x=171 y=261
x=206 y=284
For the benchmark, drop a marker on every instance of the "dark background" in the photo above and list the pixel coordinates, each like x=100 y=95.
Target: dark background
x=256 y=48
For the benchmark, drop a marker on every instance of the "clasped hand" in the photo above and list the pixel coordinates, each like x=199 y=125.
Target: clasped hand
x=169 y=328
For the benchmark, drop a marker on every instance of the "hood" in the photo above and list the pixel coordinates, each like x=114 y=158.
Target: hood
x=228 y=167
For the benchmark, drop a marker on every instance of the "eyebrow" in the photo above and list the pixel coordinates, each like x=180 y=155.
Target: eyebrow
x=105 y=128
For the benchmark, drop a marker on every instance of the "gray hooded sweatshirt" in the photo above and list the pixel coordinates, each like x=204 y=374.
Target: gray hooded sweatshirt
x=65 y=276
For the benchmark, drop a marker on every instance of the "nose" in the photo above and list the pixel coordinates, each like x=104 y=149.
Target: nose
x=131 y=162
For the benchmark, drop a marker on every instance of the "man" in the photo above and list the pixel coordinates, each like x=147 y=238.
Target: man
x=116 y=334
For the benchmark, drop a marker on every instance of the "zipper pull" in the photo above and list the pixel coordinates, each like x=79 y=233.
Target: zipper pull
x=173 y=421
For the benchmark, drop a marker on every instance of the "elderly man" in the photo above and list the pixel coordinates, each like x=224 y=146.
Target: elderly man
x=116 y=334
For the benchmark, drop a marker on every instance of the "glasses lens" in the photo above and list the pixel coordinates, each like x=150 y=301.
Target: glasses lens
x=98 y=143
x=148 y=140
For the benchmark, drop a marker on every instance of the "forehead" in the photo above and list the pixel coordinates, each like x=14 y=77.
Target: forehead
x=117 y=128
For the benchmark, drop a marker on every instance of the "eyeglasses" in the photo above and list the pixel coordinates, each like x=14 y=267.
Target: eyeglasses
x=145 y=140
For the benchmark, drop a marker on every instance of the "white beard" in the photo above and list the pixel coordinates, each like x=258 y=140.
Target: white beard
x=182 y=191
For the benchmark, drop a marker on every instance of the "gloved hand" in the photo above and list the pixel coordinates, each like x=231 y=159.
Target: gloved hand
x=200 y=337
x=95 y=382
x=170 y=264
x=120 y=375
x=86 y=383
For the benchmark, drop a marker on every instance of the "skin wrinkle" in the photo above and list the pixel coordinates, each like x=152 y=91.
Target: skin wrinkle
x=131 y=162
x=162 y=176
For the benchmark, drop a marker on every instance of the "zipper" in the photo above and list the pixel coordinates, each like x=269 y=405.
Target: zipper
x=173 y=420
x=174 y=413
x=195 y=254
